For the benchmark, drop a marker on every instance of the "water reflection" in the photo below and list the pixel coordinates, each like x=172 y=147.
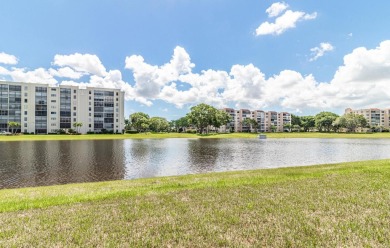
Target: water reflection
x=39 y=163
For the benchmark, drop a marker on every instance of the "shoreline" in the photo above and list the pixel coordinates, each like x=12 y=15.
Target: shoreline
x=324 y=205
x=196 y=136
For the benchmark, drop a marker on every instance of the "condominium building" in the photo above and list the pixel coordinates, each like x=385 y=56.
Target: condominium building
x=42 y=108
x=267 y=121
x=375 y=117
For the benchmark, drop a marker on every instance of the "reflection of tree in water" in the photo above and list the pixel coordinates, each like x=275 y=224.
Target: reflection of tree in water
x=108 y=160
x=203 y=154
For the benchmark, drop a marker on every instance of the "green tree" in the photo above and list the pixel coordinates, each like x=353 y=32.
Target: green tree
x=307 y=123
x=77 y=125
x=295 y=120
x=351 y=121
x=251 y=122
x=139 y=121
x=273 y=128
x=13 y=125
x=201 y=116
x=324 y=120
x=158 y=124
x=287 y=126
x=127 y=124
x=220 y=118
x=180 y=124
x=337 y=125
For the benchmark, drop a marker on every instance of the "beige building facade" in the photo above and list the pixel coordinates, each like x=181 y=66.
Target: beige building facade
x=375 y=117
x=43 y=109
x=267 y=121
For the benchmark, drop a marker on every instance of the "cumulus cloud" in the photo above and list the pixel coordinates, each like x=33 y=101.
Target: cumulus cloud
x=39 y=75
x=321 y=50
x=284 y=22
x=8 y=59
x=276 y=8
x=66 y=72
x=363 y=80
x=84 y=63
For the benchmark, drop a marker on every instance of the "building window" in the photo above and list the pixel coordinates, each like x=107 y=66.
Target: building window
x=74 y=91
x=90 y=114
x=25 y=94
x=116 y=120
x=89 y=125
x=25 y=124
x=53 y=100
x=74 y=96
x=74 y=108
x=53 y=89
x=25 y=112
x=53 y=95
x=25 y=118
x=25 y=100
x=89 y=108
x=74 y=114
x=53 y=113
x=117 y=94
x=90 y=94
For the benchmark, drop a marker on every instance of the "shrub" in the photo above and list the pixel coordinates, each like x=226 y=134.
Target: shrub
x=131 y=131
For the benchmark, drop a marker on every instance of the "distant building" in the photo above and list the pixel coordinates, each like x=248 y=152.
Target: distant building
x=375 y=117
x=264 y=119
x=42 y=108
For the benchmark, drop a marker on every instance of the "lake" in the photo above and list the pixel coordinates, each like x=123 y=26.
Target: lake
x=37 y=163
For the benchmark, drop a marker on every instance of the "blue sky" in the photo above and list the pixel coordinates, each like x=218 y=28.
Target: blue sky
x=168 y=55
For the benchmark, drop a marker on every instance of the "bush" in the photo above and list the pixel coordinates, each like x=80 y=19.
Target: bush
x=131 y=131
x=90 y=132
x=191 y=131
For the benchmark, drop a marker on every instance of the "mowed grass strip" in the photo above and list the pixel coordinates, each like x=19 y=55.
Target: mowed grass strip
x=343 y=205
x=194 y=136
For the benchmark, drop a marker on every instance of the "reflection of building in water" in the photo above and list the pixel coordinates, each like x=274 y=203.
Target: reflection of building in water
x=266 y=121
x=42 y=108
x=39 y=163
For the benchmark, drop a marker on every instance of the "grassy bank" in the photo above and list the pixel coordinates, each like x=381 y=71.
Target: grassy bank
x=188 y=135
x=343 y=204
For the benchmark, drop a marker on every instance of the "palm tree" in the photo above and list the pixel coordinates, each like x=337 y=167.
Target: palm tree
x=12 y=125
x=77 y=125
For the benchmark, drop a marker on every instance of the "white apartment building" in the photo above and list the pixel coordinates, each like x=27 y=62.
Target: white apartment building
x=43 y=109
x=375 y=117
x=265 y=120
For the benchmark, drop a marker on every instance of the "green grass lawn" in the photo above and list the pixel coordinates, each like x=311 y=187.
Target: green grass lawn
x=188 y=135
x=336 y=205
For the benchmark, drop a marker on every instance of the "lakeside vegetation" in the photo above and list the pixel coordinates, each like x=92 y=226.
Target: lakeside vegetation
x=194 y=136
x=343 y=204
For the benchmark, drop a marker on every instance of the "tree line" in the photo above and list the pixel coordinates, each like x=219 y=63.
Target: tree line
x=331 y=122
x=203 y=116
x=200 y=117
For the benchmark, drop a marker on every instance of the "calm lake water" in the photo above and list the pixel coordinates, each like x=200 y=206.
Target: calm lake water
x=36 y=163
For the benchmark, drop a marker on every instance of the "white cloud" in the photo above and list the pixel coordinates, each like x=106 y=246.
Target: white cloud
x=362 y=81
x=321 y=50
x=284 y=22
x=8 y=59
x=276 y=8
x=84 y=63
x=39 y=75
x=66 y=72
